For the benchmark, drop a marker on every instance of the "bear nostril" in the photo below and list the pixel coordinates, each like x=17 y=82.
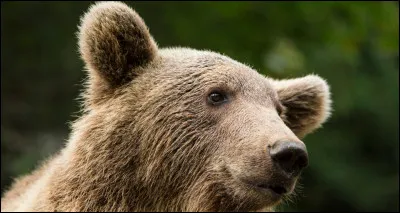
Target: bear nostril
x=285 y=156
x=290 y=156
x=302 y=161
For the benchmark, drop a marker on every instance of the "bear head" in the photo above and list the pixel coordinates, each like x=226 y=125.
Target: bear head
x=179 y=129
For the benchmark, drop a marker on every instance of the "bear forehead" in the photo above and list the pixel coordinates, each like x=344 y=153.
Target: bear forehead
x=213 y=67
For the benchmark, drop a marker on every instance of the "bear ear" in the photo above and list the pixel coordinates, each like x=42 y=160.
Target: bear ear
x=113 y=41
x=307 y=102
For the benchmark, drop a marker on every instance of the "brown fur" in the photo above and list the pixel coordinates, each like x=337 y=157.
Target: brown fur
x=148 y=140
x=304 y=99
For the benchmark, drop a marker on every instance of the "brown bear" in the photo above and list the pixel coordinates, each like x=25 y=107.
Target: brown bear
x=173 y=129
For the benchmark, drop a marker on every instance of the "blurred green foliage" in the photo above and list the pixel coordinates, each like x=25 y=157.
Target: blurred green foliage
x=354 y=159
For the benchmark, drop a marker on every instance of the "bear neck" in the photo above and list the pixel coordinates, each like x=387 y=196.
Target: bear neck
x=103 y=172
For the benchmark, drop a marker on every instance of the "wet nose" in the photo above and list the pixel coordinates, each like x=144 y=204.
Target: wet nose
x=290 y=156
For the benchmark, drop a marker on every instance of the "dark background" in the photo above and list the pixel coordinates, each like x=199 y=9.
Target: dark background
x=354 y=158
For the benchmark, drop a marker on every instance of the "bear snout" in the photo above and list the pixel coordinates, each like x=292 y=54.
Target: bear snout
x=289 y=156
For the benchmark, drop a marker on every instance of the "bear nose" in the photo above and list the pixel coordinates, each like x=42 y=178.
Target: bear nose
x=290 y=156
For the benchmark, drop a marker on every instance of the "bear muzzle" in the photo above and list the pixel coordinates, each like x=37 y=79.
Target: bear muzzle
x=290 y=157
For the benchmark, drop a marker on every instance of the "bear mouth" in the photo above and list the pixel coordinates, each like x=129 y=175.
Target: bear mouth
x=277 y=189
x=274 y=190
x=262 y=192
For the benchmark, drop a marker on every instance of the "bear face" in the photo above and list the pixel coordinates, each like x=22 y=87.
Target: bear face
x=177 y=129
x=199 y=130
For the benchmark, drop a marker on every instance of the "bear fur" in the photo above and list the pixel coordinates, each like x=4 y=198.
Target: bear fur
x=149 y=139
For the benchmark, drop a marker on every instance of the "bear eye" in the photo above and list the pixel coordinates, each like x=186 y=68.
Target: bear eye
x=217 y=98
